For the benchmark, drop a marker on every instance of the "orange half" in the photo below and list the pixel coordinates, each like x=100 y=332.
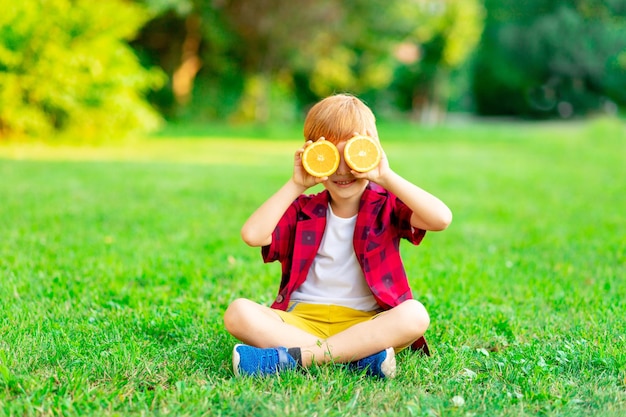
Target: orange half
x=320 y=158
x=362 y=153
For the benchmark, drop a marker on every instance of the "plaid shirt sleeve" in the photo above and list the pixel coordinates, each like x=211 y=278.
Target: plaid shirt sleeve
x=402 y=222
x=283 y=237
x=282 y=247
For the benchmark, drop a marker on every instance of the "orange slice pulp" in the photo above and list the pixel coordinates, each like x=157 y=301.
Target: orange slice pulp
x=362 y=153
x=321 y=158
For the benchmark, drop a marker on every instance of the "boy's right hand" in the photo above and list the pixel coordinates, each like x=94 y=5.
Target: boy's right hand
x=300 y=175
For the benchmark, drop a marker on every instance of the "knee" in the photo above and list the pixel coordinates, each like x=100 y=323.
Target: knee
x=234 y=316
x=415 y=316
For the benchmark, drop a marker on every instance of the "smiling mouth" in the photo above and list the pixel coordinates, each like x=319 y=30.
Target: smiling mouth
x=348 y=182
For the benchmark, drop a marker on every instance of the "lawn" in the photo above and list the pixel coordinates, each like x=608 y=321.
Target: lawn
x=118 y=261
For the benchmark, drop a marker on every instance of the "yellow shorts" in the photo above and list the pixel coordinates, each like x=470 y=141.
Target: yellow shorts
x=323 y=320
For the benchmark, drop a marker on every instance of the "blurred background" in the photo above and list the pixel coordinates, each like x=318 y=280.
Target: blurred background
x=109 y=69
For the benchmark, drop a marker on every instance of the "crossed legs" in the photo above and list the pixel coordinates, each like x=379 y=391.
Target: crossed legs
x=260 y=326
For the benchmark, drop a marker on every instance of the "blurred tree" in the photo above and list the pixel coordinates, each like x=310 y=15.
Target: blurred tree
x=184 y=37
x=65 y=68
x=544 y=58
x=232 y=52
x=351 y=50
x=271 y=35
x=277 y=48
x=325 y=47
x=445 y=34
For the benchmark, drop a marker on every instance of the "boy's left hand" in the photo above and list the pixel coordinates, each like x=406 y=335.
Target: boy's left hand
x=377 y=174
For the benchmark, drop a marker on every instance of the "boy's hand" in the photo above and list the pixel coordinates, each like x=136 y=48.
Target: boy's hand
x=300 y=175
x=379 y=173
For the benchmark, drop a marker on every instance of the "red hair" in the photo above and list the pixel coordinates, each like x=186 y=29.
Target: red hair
x=338 y=118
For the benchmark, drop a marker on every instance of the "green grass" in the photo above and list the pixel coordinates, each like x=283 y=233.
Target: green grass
x=117 y=263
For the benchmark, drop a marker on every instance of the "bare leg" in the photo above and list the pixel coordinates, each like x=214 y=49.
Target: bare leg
x=397 y=327
x=260 y=326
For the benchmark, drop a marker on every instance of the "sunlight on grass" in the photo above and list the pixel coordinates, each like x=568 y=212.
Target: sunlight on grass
x=215 y=151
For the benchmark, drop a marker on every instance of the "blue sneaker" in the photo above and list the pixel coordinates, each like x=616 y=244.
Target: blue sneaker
x=381 y=364
x=249 y=360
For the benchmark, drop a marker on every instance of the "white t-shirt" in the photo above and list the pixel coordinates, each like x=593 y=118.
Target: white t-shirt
x=335 y=276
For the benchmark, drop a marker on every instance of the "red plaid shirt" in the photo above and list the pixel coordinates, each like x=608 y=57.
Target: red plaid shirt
x=381 y=222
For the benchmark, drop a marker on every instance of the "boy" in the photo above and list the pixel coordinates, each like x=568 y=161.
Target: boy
x=344 y=295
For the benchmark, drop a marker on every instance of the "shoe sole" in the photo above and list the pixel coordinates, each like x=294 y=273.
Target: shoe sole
x=236 y=360
x=388 y=367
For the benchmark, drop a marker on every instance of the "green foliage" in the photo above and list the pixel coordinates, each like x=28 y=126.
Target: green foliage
x=65 y=68
x=112 y=292
x=164 y=42
x=443 y=38
x=260 y=58
x=543 y=58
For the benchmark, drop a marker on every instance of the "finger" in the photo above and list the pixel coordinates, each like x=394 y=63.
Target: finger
x=358 y=175
x=301 y=150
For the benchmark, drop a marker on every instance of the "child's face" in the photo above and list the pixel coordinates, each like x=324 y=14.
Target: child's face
x=342 y=184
